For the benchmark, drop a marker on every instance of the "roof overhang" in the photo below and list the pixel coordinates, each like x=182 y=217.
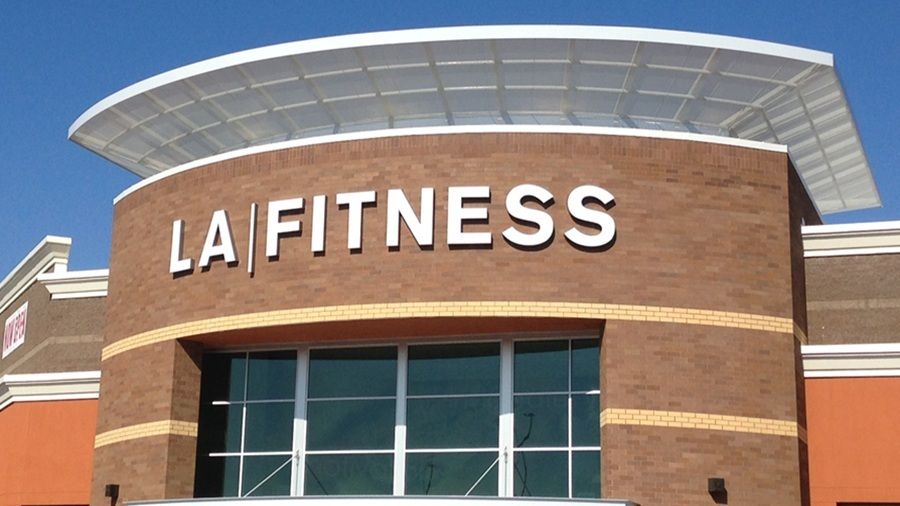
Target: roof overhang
x=529 y=75
x=852 y=239
x=50 y=255
x=55 y=386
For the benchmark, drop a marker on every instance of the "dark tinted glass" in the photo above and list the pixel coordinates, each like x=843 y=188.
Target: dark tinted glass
x=586 y=474
x=216 y=476
x=451 y=473
x=270 y=427
x=586 y=420
x=350 y=425
x=585 y=365
x=454 y=369
x=256 y=469
x=541 y=474
x=466 y=422
x=540 y=420
x=541 y=366
x=220 y=429
x=223 y=377
x=353 y=372
x=349 y=474
x=272 y=375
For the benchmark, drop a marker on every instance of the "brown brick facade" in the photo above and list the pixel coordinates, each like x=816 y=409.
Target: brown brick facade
x=61 y=335
x=852 y=301
x=700 y=226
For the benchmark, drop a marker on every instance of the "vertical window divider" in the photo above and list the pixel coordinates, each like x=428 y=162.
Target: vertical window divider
x=243 y=425
x=298 y=467
x=570 y=427
x=505 y=474
x=400 y=421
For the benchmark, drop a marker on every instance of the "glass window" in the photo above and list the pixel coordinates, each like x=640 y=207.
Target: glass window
x=353 y=372
x=266 y=476
x=540 y=421
x=270 y=427
x=351 y=408
x=585 y=365
x=586 y=474
x=247 y=420
x=453 y=404
x=542 y=366
x=349 y=474
x=556 y=434
x=472 y=368
x=271 y=375
x=456 y=473
x=453 y=422
x=350 y=425
x=541 y=474
x=425 y=419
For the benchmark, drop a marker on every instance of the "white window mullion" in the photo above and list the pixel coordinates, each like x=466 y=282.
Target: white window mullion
x=400 y=422
x=570 y=422
x=243 y=426
x=298 y=466
x=505 y=474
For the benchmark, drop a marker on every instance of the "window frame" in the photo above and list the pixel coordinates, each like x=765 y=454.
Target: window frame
x=505 y=449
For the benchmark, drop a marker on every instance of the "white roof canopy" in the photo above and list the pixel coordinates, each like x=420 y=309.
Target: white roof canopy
x=557 y=75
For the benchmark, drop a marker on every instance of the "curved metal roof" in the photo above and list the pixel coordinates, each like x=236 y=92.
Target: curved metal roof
x=530 y=75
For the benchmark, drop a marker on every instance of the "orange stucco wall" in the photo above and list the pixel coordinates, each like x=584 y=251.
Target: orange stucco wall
x=47 y=452
x=854 y=440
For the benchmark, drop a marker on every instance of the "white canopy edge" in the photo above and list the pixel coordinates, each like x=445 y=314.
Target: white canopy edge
x=457 y=33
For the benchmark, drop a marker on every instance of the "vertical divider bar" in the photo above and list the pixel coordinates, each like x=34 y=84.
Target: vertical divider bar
x=571 y=421
x=298 y=467
x=505 y=477
x=251 y=248
x=400 y=421
x=243 y=425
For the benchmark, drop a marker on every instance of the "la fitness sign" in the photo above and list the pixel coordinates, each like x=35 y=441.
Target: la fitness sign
x=587 y=205
x=14 y=331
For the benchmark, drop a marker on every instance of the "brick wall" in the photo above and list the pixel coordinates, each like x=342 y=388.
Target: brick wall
x=61 y=335
x=852 y=300
x=700 y=227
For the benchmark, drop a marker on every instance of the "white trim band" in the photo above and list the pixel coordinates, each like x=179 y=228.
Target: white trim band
x=382 y=501
x=851 y=360
x=76 y=284
x=874 y=238
x=451 y=130
x=50 y=255
x=48 y=387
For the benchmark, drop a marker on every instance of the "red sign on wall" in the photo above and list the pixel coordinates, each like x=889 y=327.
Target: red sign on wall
x=14 y=333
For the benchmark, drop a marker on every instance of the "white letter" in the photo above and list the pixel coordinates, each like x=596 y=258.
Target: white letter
x=274 y=228
x=456 y=214
x=398 y=207
x=580 y=212
x=318 y=224
x=221 y=227
x=516 y=210
x=176 y=263
x=354 y=202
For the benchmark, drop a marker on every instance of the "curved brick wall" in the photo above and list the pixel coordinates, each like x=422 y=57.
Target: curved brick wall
x=695 y=300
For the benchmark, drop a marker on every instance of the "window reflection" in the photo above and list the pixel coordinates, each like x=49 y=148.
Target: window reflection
x=449 y=410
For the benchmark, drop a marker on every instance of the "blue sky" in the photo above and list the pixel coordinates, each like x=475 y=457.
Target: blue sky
x=59 y=58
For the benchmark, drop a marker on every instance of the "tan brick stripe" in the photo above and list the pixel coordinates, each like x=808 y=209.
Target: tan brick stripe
x=454 y=309
x=609 y=416
x=141 y=430
x=679 y=419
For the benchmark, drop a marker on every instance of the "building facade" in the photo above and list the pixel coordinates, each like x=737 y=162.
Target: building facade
x=495 y=262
